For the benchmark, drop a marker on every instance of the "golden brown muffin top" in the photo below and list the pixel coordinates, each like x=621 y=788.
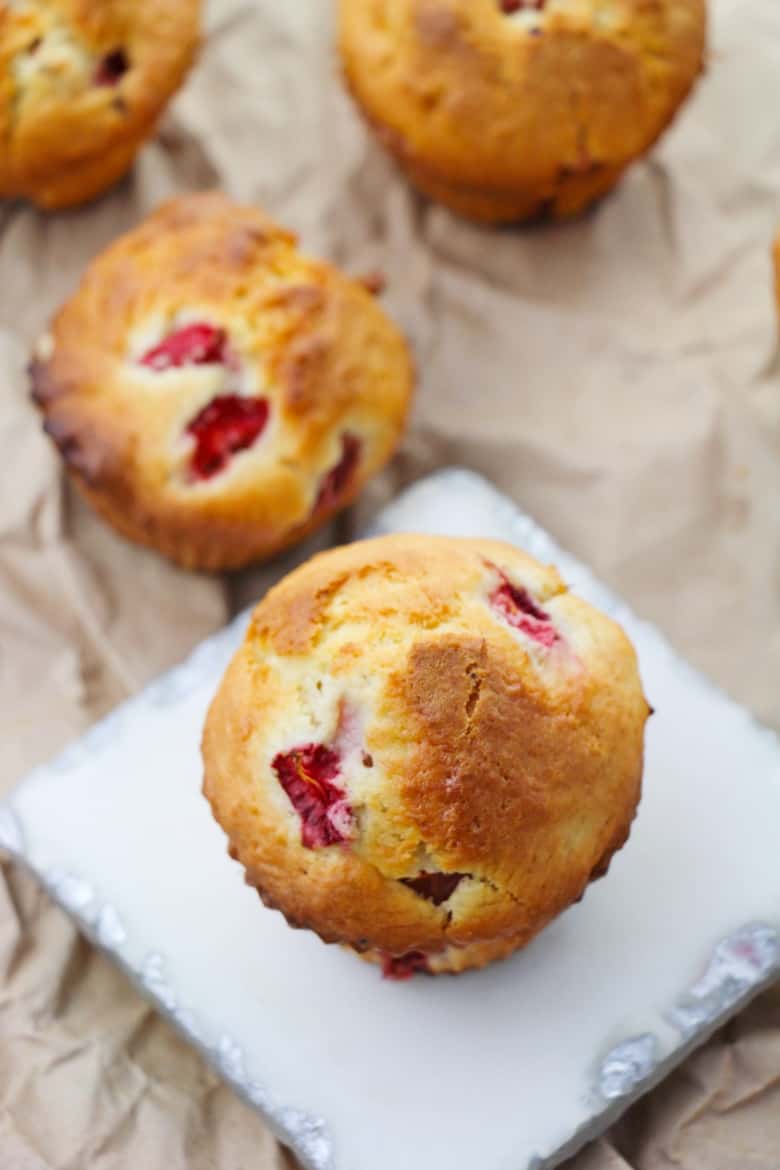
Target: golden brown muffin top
x=423 y=707
x=217 y=385
x=500 y=92
x=76 y=75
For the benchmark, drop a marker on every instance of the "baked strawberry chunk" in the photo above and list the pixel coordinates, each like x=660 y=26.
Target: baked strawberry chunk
x=308 y=775
x=518 y=608
x=227 y=425
x=112 y=67
x=435 y=887
x=510 y=6
x=402 y=967
x=192 y=345
x=338 y=479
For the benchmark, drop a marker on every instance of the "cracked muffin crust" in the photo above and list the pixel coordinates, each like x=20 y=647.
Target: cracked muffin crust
x=216 y=394
x=82 y=85
x=505 y=110
x=426 y=748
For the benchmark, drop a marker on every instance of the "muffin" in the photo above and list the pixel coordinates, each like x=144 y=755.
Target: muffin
x=426 y=748
x=504 y=110
x=82 y=84
x=215 y=394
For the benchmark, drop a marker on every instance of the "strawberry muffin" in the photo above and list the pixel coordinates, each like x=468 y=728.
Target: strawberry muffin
x=214 y=393
x=426 y=748
x=82 y=85
x=505 y=110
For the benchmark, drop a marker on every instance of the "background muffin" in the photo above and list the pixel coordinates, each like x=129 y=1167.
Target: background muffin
x=216 y=394
x=426 y=748
x=507 y=109
x=82 y=84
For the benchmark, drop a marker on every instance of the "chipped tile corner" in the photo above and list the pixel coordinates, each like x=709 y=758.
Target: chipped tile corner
x=740 y=965
x=627 y=1066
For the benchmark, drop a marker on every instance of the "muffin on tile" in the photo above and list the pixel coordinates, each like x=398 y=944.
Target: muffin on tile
x=82 y=85
x=216 y=394
x=505 y=110
x=426 y=748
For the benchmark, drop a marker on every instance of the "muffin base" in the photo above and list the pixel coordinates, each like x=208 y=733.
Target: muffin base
x=453 y=960
x=202 y=548
x=571 y=195
x=84 y=181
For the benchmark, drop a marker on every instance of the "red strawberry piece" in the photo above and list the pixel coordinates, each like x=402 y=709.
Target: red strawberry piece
x=402 y=967
x=112 y=67
x=338 y=479
x=192 y=345
x=518 y=608
x=228 y=424
x=308 y=774
x=435 y=887
x=508 y=7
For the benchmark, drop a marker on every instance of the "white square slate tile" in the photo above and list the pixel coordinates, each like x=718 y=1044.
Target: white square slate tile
x=506 y=1069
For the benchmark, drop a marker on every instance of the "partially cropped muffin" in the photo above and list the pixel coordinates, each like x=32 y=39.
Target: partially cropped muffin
x=505 y=110
x=215 y=394
x=82 y=85
x=426 y=748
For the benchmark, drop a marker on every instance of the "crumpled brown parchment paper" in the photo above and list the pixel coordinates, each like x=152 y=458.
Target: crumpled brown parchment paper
x=618 y=377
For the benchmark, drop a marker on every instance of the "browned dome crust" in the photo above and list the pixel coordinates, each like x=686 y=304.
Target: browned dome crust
x=504 y=116
x=313 y=344
x=514 y=765
x=82 y=85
